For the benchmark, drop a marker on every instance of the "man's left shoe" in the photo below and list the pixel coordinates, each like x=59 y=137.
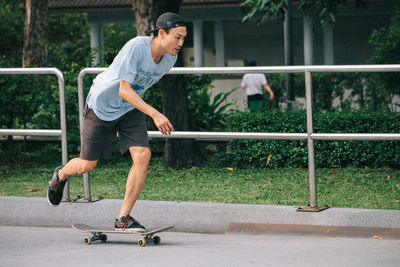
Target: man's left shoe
x=128 y=223
x=56 y=187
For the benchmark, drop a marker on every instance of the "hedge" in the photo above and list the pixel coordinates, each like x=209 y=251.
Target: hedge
x=285 y=153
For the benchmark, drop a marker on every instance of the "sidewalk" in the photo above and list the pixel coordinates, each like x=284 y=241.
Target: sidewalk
x=43 y=247
x=205 y=217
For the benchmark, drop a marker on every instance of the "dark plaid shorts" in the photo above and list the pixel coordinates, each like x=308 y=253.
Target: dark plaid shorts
x=98 y=136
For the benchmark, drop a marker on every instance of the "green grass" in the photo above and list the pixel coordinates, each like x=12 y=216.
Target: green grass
x=337 y=187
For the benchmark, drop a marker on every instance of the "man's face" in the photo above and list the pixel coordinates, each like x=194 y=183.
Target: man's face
x=173 y=41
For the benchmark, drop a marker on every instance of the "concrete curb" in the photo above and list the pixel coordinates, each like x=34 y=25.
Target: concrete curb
x=187 y=216
x=316 y=230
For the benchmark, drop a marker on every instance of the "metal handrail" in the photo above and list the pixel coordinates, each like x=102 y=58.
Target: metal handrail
x=268 y=69
x=44 y=132
x=228 y=135
x=30 y=132
x=310 y=136
x=275 y=136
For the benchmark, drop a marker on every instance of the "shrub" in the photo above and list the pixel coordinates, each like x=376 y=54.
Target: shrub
x=254 y=153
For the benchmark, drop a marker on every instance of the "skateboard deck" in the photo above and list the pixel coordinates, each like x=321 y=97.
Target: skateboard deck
x=100 y=234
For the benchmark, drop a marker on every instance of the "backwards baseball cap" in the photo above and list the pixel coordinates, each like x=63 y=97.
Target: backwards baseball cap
x=167 y=21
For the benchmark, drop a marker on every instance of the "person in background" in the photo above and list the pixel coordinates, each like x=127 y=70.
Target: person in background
x=255 y=83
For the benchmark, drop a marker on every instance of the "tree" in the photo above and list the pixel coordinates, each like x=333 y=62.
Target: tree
x=383 y=85
x=35 y=33
x=12 y=31
x=17 y=90
x=177 y=152
x=325 y=11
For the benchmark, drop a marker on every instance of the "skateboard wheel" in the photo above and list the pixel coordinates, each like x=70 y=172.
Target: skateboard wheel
x=157 y=240
x=103 y=238
x=87 y=240
x=142 y=242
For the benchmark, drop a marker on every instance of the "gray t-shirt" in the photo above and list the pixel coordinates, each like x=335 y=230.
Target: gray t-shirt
x=133 y=64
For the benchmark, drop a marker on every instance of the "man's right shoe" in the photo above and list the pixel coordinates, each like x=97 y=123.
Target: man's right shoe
x=56 y=187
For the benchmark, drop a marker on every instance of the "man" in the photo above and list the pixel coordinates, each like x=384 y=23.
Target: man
x=254 y=84
x=114 y=104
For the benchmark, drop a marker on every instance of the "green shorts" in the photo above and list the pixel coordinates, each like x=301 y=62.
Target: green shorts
x=255 y=102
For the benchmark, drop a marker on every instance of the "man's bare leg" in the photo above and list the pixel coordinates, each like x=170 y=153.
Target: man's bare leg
x=136 y=178
x=76 y=166
x=60 y=175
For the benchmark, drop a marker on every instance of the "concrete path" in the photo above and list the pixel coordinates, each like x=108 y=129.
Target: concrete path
x=36 y=246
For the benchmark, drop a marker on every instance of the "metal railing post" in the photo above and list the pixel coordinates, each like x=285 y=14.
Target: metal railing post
x=310 y=142
x=81 y=104
x=63 y=124
x=313 y=206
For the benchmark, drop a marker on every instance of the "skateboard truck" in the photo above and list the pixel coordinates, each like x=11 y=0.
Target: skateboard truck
x=95 y=236
x=149 y=238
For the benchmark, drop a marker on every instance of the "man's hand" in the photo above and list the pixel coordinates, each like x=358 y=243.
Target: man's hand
x=271 y=96
x=163 y=124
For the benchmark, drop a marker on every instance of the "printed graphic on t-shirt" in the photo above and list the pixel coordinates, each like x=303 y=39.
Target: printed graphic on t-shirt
x=144 y=79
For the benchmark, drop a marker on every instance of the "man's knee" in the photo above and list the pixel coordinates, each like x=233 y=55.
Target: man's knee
x=141 y=153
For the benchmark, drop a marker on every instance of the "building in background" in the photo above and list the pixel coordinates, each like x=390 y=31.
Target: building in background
x=217 y=36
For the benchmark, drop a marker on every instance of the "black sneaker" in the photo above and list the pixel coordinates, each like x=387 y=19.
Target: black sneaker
x=128 y=223
x=56 y=187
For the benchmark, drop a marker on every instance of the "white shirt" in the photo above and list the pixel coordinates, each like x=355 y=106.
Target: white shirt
x=254 y=83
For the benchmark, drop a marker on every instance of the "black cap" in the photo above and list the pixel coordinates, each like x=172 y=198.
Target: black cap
x=167 y=21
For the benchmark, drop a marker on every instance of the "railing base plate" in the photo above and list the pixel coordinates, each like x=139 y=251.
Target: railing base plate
x=312 y=209
x=79 y=199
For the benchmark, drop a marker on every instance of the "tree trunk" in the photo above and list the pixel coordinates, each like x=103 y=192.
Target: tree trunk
x=143 y=15
x=177 y=152
x=35 y=34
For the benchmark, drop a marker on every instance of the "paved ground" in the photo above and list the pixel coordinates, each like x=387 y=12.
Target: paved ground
x=37 y=246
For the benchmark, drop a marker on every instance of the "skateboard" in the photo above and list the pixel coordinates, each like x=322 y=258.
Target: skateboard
x=100 y=234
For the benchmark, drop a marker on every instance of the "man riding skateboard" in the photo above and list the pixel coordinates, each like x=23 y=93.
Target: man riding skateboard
x=114 y=104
